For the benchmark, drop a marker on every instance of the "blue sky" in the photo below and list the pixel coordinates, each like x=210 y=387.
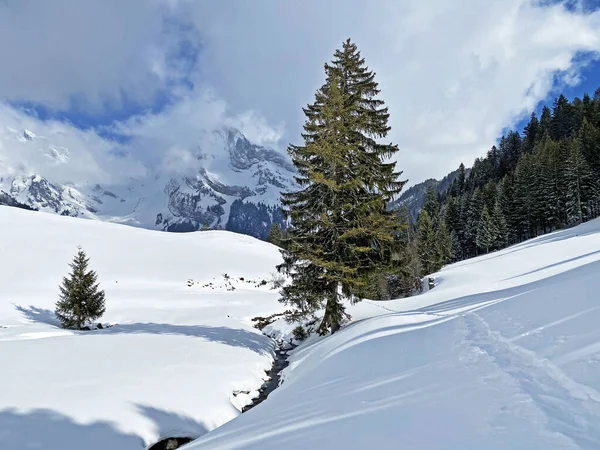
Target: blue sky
x=143 y=77
x=589 y=81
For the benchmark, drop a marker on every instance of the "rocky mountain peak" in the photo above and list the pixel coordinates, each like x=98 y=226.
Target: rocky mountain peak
x=235 y=176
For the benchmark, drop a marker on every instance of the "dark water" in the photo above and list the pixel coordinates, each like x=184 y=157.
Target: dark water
x=171 y=443
x=269 y=386
x=272 y=383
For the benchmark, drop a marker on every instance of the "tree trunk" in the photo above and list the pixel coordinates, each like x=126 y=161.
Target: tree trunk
x=333 y=314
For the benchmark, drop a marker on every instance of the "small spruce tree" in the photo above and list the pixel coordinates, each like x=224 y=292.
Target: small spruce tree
x=275 y=236
x=81 y=300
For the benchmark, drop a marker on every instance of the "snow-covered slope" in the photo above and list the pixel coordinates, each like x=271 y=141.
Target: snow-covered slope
x=177 y=352
x=190 y=188
x=503 y=354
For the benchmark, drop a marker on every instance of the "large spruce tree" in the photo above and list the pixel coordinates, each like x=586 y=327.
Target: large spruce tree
x=341 y=228
x=81 y=301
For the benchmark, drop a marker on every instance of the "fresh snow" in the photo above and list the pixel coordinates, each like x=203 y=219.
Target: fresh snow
x=175 y=356
x=504 y=353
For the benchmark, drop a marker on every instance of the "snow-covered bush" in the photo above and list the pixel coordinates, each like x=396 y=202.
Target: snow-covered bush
x=277 y=280
x=300 y=333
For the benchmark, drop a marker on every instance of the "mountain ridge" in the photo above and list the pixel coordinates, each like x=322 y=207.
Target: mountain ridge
x=414 y=196
x=229 y=170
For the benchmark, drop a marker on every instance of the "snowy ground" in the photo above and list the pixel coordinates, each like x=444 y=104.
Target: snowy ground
x=503 y=354
x=170 y=363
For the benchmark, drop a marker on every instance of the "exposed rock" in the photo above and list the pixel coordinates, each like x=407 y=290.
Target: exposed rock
x=7 y=200
x=171 y=443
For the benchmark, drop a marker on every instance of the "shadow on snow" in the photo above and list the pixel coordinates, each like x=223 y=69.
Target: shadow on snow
x=38 y=315
x=223 y=335
x=45 y=429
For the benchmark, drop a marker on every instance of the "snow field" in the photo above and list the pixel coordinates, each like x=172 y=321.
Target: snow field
x=172 y=360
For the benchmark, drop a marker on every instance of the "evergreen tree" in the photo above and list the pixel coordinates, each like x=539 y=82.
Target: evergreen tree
x=547 y=193
x=589 y=138
x=342 y=231
x=485 y=239
x=275 y=236
x=427 y=246
x=523 y=196
x=431 y=203
x=452 y=216
x=456 y=249
x=545 y=121
x=596 y=109
x=531 y=134
x=562 y=124
x=489 y=194
x=499 y=229
x=463 y=234
x=475 y=207
x=582 y=186
x=81 y=301
x=406 y=278
x=505 y=200
x=510 y=150
x=444 y=245
x=459 y=181
x=545 y=181
x=588 y=109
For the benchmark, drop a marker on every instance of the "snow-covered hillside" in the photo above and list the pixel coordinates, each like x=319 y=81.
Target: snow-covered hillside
x=503 y=354
x=69 y=172
x=178 y=349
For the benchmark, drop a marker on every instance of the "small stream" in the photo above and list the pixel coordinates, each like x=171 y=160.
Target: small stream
x=171 y=443
x=272 y=383
x=280 y=363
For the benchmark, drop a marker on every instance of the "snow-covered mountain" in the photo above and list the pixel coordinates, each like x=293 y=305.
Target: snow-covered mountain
x=230 y=183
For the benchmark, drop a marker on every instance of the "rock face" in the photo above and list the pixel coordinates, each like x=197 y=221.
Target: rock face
x=7 y=200
x=234 y=185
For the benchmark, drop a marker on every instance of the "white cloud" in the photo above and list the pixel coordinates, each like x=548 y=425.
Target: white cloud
x=96 y=54
x=59 y=151
x=454 y=74
x=256 y=128
x=186 y=126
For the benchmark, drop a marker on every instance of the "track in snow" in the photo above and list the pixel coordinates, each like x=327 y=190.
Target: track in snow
x=571 y=409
